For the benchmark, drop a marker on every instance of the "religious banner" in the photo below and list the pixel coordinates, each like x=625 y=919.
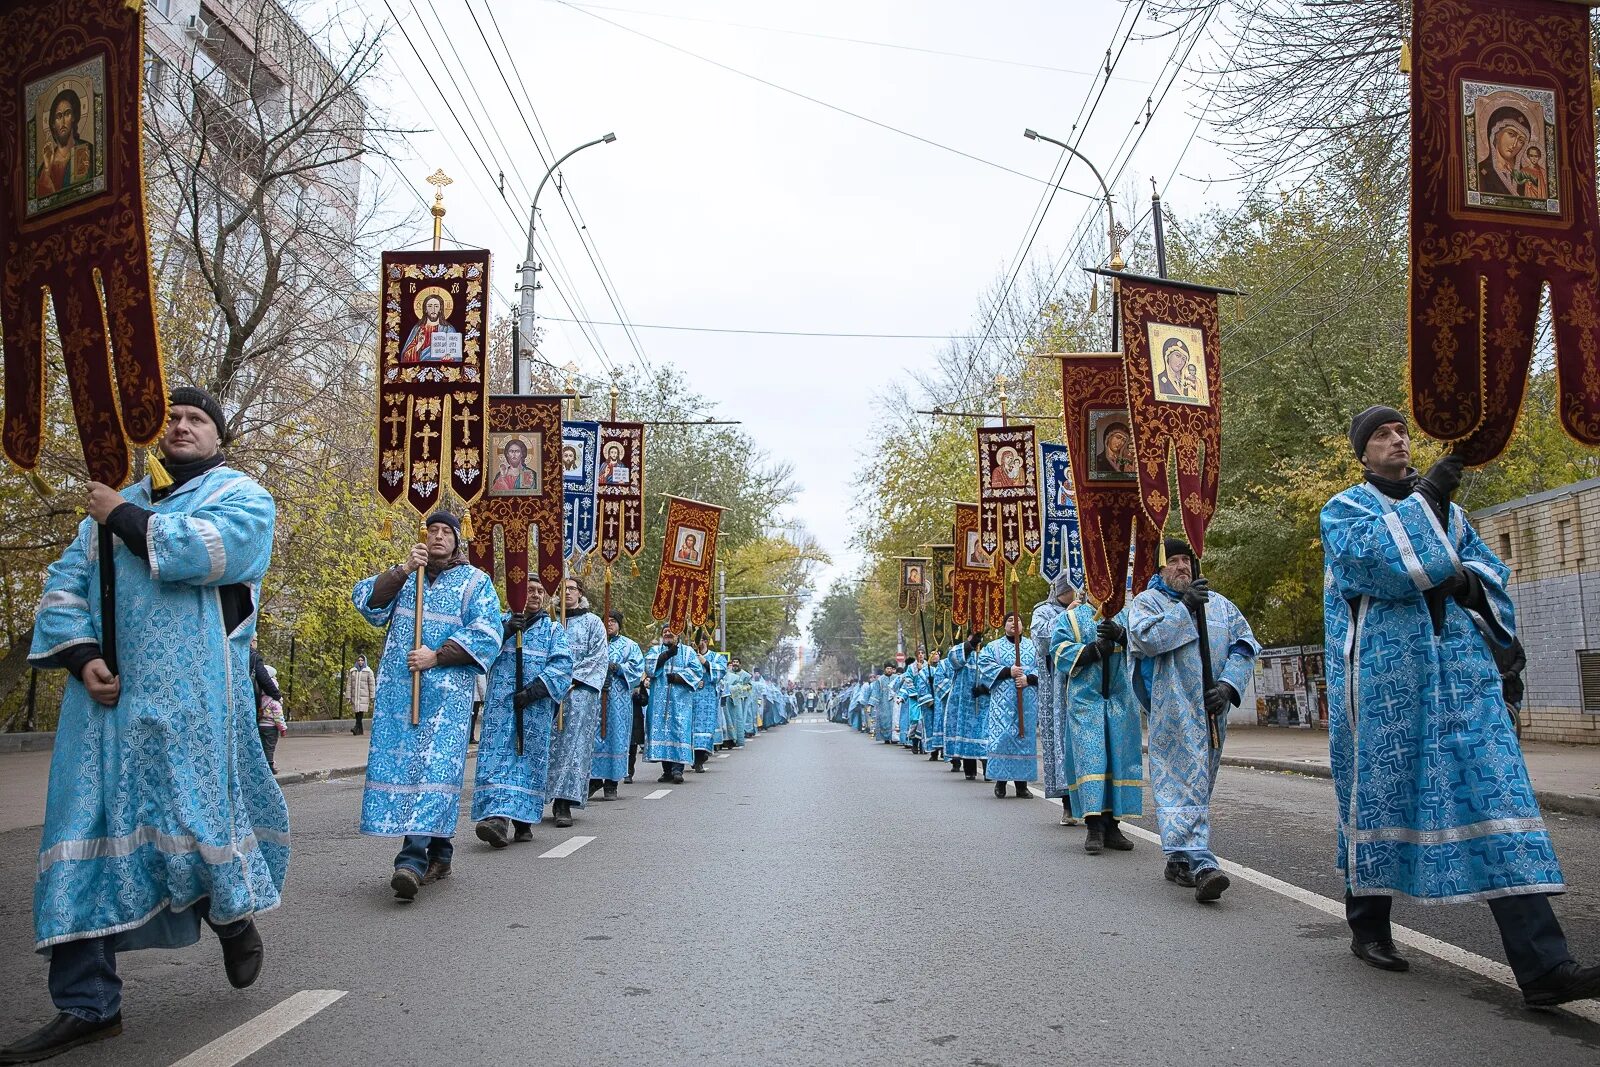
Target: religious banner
x=688 y=556
x=944 y=567
x=73 y=229
x=1008 y=490
x=1105 y=481
x=431 y=393
x=517 y=522
x=580 y=451
x=1063 y=549
x=915 y=582
x=1502 y=207
x=621 y=490
x=978 y=592
x=1172 y=370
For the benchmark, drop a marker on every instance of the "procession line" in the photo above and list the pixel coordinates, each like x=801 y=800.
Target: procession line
x=657 y=795
x=246 y=1040
x=1481 y=966
x=566 y=848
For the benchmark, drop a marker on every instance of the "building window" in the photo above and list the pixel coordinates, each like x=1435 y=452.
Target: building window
x=1589 y=680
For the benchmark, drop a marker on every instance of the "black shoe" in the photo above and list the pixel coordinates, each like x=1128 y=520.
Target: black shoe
x=436 y=872
x=933 y=757
x=494 y=832
x=1024 y=791
x=595 y=785
x=57 y=1036
x=699 y=768
x=1380 y=954
x=1115 y=838
x=1000 y=789
x=1567 y=982
x=666 y=776
x=562 y=810
x=955 y=766
x=524 y=832
x=610 y=792
x=628 y=780
x=1094 y=842
x=1209 y=884
x=972 y=776
x=677 y=779
x=1178 y=874
x=241 y=956
x=405 y=883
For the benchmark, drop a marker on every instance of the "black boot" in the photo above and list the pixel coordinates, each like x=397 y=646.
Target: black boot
x=1024 y=791
x=562 y=810
x=971 y=768
x=1000 y=790
x=700 y=757
x=955 y=766
x=57 y=1036
x=1114 y=836
x=524 y=832
x=611 y=791
x=494 y=832
x=241 y=955
x=1094 y=842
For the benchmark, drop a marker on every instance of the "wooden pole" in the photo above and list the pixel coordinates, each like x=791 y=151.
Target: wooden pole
x=421 y=574
x=1017 y=683
x=605 y=618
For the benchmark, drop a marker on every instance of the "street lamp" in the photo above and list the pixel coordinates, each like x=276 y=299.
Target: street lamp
x=1112 y=230
x=523 y=328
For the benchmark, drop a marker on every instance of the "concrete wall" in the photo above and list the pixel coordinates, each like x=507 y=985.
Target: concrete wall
x=1551 y=542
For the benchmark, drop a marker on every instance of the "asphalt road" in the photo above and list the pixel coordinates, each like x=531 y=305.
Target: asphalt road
x=820 y=899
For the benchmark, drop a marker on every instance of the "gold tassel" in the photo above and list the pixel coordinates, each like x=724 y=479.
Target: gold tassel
x=39 y=485
x=635 y=560
x=1094 y=297
x=1161 y=551
x=1405 y=57
x=159 y=478
x=1033 y=566
x=466 y=526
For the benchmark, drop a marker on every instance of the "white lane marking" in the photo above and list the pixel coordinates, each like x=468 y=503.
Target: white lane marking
x=1443 y=950
x=723 y=756
x=657 y=795
x=566 y=848
x=258 y=1033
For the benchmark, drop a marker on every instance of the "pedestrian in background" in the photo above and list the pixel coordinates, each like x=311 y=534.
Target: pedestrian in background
x=359 y=685
x=270 y=721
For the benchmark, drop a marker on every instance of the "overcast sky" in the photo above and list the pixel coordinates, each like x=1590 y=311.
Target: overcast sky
x=731 y=204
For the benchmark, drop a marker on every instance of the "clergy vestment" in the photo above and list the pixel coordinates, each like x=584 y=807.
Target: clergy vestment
x=623 y=673
x=572 y=746
x=507 y=785
x=673 y=682
x=1100 y=763
x=1012 y=758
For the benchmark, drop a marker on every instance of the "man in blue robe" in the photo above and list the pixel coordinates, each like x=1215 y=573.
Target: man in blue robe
x=1101 y=766
x=1187 y=688
x=713 y=666
x=885 y=710
x=918 y=693
x=860 y=710
x=674 y=677
x=1040 y=628
x=1434 y=797
x=415 y=773
x=161 y=811
x=1008 y=672
x=739 y=697
x=578 y=718
x=508 y=790
x=625 y=669
x=965 y=721
x=939 y=692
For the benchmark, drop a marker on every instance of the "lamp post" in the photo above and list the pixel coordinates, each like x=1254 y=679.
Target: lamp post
x=523 y=327
x=1113 y=231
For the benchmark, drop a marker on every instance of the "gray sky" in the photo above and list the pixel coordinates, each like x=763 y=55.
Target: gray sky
x=727 y=203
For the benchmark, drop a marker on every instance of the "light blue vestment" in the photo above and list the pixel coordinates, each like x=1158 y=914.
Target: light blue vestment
x=1165 y=648
x=966 y=725
x=1434 y=797
x=671 y=708
x=164 y=799
x=939 y=679
x=1011 y=758
x=883 y=708
x=572 y=746
x=1040 y=627
x=740 y=711
x=611 y=746
x=713 y=665
x=1101 y=765
x=415 y=773
x=506 y=785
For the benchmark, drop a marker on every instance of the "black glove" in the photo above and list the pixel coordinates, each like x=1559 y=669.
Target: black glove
x=1195 y=597
x=1112 y=631
x=534 y=690
x=971 y=643
x=666 y=654
x=1440 y=484
x=615 y=671
x=514 y=626
x=1218 y=697
x=980 y=690
x=1467 y=588
x=1093 y=652
x=1032 y=679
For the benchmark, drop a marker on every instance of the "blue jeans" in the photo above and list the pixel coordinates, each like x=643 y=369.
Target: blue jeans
x=420 y=850
x=1196 y=859
x=83 y=979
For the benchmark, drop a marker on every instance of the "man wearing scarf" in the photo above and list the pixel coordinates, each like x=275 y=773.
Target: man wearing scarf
x=674 y=677
x=1011 y=748
x=161 y=810
x=415 y=773
x=508 y=790
x=1434 y=798
x=713 y=665
x=624 y=669
x=572 y=746
x=1187 y=688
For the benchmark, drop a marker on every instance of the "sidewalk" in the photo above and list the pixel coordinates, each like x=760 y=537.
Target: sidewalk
x=1566 y=777
x=25 y=776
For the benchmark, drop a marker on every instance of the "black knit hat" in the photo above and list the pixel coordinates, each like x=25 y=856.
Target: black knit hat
x=191 y=396
x=1177 y=546
x=616 y=617
x=442 y=516
x=1364 y=425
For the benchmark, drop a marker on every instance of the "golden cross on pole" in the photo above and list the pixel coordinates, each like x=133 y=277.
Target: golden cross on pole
x=438 y=179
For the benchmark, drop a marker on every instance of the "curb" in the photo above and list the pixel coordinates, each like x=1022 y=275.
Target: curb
x=1568 y=803
x=302 y=777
